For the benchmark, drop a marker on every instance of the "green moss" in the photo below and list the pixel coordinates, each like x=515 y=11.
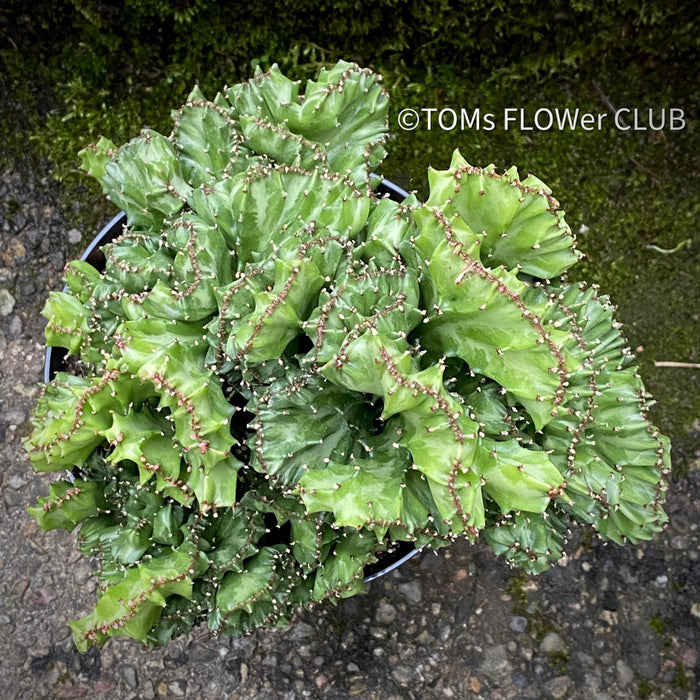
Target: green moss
x=644 y=689
x=559 y=661
x=681 y=679
x=516 y=590
x=657 y=624
x=538 y=623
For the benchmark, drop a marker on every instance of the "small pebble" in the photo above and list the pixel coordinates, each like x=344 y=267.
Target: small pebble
x=518 y=623
x=558 y=687
x=444 y=633
x=402 y=675
x=385 y=614
x=625 y=675
x=128 y=675
x=178 y=688
x=553 y=644
x=412 y=590
x=7 y=302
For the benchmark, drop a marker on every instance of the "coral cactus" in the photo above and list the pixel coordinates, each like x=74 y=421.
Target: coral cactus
x=279 y=373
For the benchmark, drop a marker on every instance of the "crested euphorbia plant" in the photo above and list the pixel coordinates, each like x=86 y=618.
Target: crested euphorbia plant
x=279 y=373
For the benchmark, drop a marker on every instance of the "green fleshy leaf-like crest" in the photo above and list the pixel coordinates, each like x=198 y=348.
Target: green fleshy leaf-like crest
x=279 y=374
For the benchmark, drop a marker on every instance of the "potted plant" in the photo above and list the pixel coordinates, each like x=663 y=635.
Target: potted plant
x=279 y=373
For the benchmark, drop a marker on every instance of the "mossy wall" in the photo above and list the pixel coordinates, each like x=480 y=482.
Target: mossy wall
x=75 y=69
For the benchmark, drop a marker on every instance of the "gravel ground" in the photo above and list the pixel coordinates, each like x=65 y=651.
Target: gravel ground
x=605 y=623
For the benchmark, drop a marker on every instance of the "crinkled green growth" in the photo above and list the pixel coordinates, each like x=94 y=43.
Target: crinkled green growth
x=279 y=373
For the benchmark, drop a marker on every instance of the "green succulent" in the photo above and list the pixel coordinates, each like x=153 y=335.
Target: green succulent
x=280 y=373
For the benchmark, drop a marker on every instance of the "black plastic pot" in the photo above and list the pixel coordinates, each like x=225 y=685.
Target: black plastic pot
x=397 y=554
x=55 y=361
x=55 y=358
